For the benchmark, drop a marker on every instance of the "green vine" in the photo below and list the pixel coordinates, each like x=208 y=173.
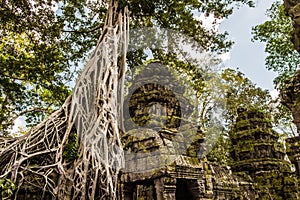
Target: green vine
x=7 y=187
x=70 y=151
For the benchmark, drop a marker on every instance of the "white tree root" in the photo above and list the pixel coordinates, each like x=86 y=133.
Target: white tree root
x=35 y=161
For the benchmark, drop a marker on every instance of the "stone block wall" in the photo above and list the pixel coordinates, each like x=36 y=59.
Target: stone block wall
x=258 y=154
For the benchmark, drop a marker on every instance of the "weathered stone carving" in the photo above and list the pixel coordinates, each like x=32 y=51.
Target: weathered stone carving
x=258 y=154
x=169 y=163
x=290 y=97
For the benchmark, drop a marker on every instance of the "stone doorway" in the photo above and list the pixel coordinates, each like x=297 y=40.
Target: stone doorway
x=138 y=191
x=183 y=190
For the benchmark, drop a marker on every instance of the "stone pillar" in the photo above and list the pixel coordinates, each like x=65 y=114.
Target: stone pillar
x=198 y=189
x=165 y=188
x=254 y=143
x=208 y=178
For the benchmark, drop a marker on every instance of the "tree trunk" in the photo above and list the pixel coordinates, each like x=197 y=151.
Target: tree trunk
x=38 y=159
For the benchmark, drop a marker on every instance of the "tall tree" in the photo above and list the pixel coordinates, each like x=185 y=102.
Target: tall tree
x=33 y=71
x=276 y=33
x=236 y=91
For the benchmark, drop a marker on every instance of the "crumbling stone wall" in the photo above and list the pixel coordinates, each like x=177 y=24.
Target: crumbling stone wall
x=259 y=156
x=293 y=152
x=290 y=97
x=168 y=162
x=259 y=168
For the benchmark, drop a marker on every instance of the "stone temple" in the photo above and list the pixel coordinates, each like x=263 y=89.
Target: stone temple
x=160 y=166
x=169 y=163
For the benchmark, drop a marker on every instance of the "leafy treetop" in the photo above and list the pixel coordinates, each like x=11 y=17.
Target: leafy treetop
x=276 y=33
x=43 y=41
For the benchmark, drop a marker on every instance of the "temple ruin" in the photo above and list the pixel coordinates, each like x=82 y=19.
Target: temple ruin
x=259 y=168
x=262 y=167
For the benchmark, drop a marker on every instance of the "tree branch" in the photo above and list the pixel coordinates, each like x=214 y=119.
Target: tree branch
x=36 y=109
x=83 y=31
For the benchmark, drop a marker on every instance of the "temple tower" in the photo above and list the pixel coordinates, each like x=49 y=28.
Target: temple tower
x=258 y=156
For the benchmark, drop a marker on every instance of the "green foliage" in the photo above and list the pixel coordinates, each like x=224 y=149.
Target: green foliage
x=191 y=71
x=70 y=151
x=43 y=42
x=235 y=91
x=282 y=58
x=7 y=187
x=240 y=92
x=276 y=33
x=220 y=152
x=178 y=15
x=283 y=121
x=32 y=82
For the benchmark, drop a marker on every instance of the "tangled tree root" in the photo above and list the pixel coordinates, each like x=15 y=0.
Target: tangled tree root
x=38 y=161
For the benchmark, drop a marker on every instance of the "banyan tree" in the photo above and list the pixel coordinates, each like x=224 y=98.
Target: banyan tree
x=85 y=128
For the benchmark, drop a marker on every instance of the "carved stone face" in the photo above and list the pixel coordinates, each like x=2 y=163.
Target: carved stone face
x=156 y=99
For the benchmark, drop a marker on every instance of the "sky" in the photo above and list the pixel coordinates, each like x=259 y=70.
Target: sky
x=248 y=57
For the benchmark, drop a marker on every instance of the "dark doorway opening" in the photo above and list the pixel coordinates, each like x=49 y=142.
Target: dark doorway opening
x=183 y=190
